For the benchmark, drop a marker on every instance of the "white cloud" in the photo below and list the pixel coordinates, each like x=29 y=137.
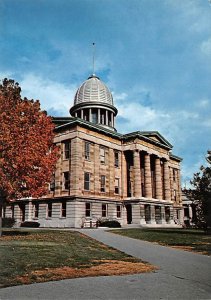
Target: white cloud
x=52 y=95
x=203 y=103
x=195 y=15
x=206 y=47
x=119 y=97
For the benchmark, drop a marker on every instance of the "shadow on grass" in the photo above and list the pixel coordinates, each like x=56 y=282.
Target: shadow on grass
x=180 y=231
x=13 y=232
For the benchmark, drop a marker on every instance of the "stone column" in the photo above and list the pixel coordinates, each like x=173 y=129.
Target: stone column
x=30 y=210
x=171 y=220
x=77 y=173
x=124 y=174
x=124 y=215
x=158 y=182
x=106 y=122
x=96 y=169
x=190 y=212
x=152 y=214
x=171 y=184
x=179 y=186
x=76 y=114
x=181 y=216
x=167 y=195
x=90 y=115
x=112 y=173
x=136 y=214
x=142 y=214
x=137 y=174
x=163 y=219
x=82 y=114
x=112 y=120
x=148 y=180
x=98 y=115
x=103 y=117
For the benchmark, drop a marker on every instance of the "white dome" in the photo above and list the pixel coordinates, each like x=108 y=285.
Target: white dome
x=93 y=90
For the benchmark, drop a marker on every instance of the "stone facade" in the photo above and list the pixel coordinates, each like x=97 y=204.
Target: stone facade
x=102 y=174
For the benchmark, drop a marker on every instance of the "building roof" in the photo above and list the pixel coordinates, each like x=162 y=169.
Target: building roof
x=154 y=137
x=93 y=90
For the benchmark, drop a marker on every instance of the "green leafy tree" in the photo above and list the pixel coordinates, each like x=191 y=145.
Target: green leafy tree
x=201 y=195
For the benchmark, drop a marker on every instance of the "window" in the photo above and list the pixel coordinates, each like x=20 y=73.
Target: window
x=87 y=150
x=104 y=210
x=22 y=211
x=116 y=185
x=94 y=116
x=4 y=211
x=102 y=155
x=67 y=149
x=66 y=180
x=102 y=183
x=36 y=210
x=87 y=181
x=63 y=209
x=118 y=211
x=49 y=210
x=116 y=158
x=12 y=210
x=52 y=184
x=175 y=195
x=88 y=209
x=174 y=175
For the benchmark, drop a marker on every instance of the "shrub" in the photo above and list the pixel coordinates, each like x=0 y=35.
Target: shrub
x=31 y=224
x=108 y=223
x=8 y=222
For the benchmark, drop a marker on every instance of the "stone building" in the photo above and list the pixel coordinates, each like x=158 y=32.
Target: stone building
x=102 y=174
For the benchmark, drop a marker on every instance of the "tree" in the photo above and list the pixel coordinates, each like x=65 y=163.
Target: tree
x=27 y=154
x=201 y=195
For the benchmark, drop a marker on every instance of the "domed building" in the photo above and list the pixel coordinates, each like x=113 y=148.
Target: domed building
x=102 y=174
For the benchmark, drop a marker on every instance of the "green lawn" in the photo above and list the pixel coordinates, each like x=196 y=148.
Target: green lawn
x=24 y=254
x=188 y=239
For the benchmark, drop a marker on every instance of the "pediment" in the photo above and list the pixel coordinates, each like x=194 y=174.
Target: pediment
x=157 y=137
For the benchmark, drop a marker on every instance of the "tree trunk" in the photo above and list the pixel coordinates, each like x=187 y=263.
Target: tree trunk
x=2 y=201
x=1 y=206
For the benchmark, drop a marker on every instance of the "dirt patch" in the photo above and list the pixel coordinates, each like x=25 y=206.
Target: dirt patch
x=105 y=268
x=187 y=248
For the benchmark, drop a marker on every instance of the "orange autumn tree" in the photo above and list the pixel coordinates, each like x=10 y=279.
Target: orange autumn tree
x=27 y=154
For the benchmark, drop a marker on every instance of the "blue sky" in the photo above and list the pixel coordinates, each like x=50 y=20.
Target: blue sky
x=154 y=55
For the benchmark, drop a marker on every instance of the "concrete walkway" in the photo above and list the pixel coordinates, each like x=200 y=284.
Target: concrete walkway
x=182 y=275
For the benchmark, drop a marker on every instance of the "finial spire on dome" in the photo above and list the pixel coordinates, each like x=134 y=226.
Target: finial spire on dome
x=93 y=58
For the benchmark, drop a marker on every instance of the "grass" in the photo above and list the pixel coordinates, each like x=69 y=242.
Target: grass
x=186 y=239
x=37 y=256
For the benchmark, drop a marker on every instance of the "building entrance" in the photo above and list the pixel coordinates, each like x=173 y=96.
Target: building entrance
x=129 y=213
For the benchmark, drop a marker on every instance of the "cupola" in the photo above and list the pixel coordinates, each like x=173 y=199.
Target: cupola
x=93 y=102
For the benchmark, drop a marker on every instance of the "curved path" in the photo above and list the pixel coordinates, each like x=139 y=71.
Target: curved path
x=181 y=275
